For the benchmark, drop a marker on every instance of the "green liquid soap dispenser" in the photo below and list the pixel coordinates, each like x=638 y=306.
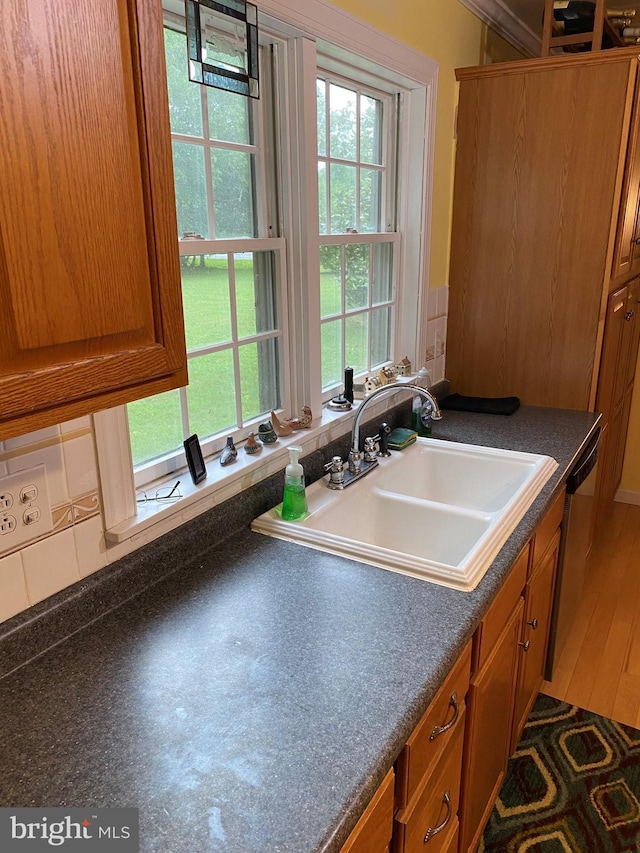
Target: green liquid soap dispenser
x=294 y=499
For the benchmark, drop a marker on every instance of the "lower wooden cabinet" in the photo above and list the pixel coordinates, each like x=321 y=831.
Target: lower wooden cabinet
x=450 y=771
x=490 y=706
x=372 y=833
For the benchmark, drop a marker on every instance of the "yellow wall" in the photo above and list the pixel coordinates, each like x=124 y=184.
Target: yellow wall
x=451 y=35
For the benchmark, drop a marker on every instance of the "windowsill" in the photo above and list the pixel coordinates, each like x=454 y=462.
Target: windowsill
x=154 y=518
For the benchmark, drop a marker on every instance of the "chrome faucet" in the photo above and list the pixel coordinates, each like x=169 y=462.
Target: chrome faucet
x=357 y=465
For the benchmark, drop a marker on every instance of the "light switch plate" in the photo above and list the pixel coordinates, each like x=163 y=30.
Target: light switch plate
x=25 y=511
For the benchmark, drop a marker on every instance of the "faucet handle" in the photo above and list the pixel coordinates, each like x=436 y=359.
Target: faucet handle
x=383 y=437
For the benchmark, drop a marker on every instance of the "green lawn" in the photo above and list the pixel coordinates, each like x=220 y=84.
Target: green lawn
x=155 y=422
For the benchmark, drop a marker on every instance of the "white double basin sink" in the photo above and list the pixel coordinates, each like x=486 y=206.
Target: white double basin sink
x=438 y=510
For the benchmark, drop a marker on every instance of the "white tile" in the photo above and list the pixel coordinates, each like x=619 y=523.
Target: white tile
x=75 y=425
x=51 y=457
x=80 y=465
x=443 y=300
x=440 y=336
x=4 y=469
x=31 y=438
x=50 y=565
x=432 y=304
x=90 y=547
x=439 y=369
x=13 y=590
x=431 y=343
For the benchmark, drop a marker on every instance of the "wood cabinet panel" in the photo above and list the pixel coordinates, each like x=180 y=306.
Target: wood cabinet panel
x=372 y=833
x=532 y=650
x=532 y=231
x=488 y=732
x=89 y=268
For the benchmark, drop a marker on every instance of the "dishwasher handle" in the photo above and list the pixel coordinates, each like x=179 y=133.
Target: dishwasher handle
x=585 y=465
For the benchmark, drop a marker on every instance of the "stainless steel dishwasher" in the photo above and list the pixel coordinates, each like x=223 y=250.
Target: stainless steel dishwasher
x=575 y=544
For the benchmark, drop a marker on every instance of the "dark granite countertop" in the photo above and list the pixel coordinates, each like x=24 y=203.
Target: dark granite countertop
x=252 y=701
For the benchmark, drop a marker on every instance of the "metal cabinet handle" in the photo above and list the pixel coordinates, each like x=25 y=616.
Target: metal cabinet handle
x=525 y=646
x=434 y=830
x=533 y=623
x=438 y=730
x=637 y=241
x=629 y=314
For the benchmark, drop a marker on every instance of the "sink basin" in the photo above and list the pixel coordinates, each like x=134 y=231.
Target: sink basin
x=438 y=511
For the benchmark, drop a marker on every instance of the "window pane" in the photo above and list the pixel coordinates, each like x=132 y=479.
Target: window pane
x=370 y=200
x=330 y=280
x=356 y=342
x=343 y=198
x=255 y=293
x=191 y=192
x=233 y=193
x=321 y=90
x=228 y=116
x=185 y=103
x=205 y=297
x=382 y=273
x=356 y=276
x=322 y=197
x=331 y=334
x=259 y=378
x=380 y=336
x=211 y=397
x=370 y=130
x=155 y=426
x=342 y=122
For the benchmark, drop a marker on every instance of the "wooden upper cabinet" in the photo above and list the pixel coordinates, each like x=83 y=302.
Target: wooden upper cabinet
x=89 y=268
x=539 y=173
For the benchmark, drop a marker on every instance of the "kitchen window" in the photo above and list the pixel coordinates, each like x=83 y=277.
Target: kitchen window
x=303 y=225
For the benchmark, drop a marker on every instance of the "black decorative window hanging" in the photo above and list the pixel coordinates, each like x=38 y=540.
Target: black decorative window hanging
x=222 y=39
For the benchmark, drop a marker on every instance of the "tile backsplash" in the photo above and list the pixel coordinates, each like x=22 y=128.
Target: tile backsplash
x=76 y=547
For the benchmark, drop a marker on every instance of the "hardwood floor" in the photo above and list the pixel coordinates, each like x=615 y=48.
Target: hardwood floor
x=599 y=667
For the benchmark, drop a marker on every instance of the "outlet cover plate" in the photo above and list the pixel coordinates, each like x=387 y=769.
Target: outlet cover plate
x=25 y=511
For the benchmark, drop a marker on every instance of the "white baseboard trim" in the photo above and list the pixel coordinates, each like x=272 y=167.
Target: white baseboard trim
x=627 y=496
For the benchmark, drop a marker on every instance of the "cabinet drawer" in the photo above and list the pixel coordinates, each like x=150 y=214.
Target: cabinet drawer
x=434 y=732
x=497 y=615
x=431 y=818
x=372 y=832
x=546 y=530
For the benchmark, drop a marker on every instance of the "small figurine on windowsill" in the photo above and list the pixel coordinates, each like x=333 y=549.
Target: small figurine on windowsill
x=286 y=427
x=251 y=445
x=229 y=453
x=266 y=433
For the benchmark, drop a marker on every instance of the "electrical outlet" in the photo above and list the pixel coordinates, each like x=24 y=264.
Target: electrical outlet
x=25 y=511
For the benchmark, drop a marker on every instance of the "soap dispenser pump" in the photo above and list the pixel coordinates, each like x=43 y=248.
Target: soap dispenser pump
x=294 y=499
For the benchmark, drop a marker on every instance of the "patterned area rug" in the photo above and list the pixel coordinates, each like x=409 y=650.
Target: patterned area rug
x=572 y=786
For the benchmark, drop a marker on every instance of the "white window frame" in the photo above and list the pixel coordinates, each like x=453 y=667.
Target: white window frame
x=311 y=27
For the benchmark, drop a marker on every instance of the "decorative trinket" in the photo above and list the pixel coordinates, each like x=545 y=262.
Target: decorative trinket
x=229 y=453
x=251 y=445
x=286 y=427
x=403 y=367
x=266 y=433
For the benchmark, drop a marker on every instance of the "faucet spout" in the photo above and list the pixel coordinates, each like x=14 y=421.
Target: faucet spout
x=394 y=386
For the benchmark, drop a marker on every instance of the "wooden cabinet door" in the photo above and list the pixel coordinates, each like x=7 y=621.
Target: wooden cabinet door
x=488 y=733
x=611 y=380
x=533 y=648
x=626 y=256
x=89 y=268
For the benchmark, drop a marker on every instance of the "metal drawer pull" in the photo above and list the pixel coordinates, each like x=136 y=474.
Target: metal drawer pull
x=438 y=730
x=629 y=314
x=533 y=623
x=434 y=830
x=525 y=646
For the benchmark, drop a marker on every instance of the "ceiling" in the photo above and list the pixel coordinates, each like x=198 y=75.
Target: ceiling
x=520 y=21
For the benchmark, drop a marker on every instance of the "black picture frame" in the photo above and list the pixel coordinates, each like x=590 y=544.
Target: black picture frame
x=197 y=468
